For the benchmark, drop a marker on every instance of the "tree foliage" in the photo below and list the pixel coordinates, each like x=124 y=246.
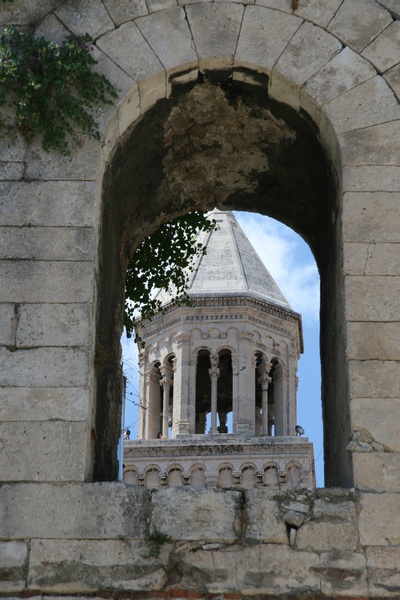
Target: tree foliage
x=163 y=261
x=51 y=88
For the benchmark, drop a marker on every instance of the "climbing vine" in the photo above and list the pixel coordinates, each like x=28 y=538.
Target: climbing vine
x=50 y=89
x=163 y=261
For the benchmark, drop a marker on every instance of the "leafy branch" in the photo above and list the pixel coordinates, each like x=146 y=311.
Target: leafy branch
x=163 y=261
x=50 y=88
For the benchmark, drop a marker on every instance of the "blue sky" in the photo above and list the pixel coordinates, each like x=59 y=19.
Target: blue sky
x=291 y=263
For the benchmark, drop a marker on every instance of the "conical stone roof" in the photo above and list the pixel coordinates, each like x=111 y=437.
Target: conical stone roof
x=231 y=266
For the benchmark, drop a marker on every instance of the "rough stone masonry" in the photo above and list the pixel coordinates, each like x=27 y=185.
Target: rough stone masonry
x=330 y=69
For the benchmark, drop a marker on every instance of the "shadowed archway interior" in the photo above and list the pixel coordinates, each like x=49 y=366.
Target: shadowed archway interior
x=218 y=142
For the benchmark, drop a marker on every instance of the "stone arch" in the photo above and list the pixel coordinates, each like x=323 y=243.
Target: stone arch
x=262 y=48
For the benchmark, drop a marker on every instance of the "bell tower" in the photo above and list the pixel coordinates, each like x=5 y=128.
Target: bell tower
x=218 y=378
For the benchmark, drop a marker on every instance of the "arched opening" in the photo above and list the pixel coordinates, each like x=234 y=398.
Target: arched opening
x=203 y=390
x=280 y=169
x=224 y=395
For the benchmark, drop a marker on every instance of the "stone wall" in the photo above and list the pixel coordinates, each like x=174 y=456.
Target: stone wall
x=67 y=227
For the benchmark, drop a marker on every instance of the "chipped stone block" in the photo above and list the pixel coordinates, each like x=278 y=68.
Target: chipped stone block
x=50 y=203
x=184 y=514
x=370 y=103
x=374 y=415
x=330 y=510
x=47 y=451
x=78 y=510
x=89 y=16
x=383 y=571
x=372 y=298
x=307 y=52
x=263 y=36
x=47 y=243
x=373 y=178
x=376 y=145
x=264 y=521
x=373 y=341
x=374 y=379
x=44 y=404
x=325 y=536
x=43 y=281
x=371 y=259
x=83 y=566
x=344 y=574
x=125 y=10
x=53 y=325
x=378 y=520
x=167 y=32
x=377 y=471
x=294 y=519
x=384 y=51
x=13 y=557
x=41 y=367
x=358 y=32
x=215 y=30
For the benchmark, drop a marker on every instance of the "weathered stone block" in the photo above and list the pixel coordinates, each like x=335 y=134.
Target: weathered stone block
x=11 y=171
x=264 y=521
x=73 y=510
x=378 y=522
x=327 y=536
x=185 y=514
x=50 y=203
x=377 y=471
x=368 y=217
x=331 y=509
x=47 y=243
x=76 y=566
x=393 y=78
x=371 y=259
x=319 y=12
x=89 y=17
x=31 y=281
x=81 y=165
x=373 y=178
x=374 y=415
x=345 y=71
x=154 y=5
x=53 y=325
x=215 y=30
x=356 y=32
x=264 y=35
x=374 y=379
x=41 y=367
x=259 y=569
x=376 y=145
x=168 y=34
x=384 y=51
x=48 y=451
x=372 y=298
x=44 y=404
x=307 y=52
x=383 y=571
x=128 y=48
x=124 y=10
x=373 y=341
x=343 y=574
x=7 y=324
x=375 y=103
x=13 y=566
x=129 y=110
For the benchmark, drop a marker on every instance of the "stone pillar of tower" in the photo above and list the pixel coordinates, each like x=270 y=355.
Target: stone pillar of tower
x=180 y=417
x=246 y=417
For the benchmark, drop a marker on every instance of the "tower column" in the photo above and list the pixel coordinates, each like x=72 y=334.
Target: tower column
x=166 y=383
x=180 y=418
x=264 y=380
x=214 y=375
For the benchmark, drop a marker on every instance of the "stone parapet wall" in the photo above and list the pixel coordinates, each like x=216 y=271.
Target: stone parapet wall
x=111 y=539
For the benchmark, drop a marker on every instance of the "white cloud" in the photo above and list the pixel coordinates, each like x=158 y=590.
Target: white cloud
x=288 y=259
